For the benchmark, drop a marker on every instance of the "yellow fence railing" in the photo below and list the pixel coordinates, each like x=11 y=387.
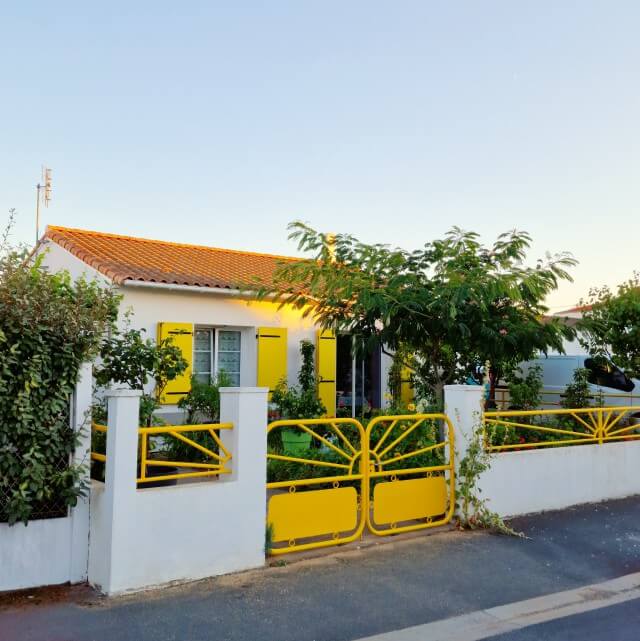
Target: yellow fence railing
x=506 y=430
x=203 y=453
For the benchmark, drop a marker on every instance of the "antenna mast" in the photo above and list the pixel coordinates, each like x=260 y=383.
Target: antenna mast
x=43 y=194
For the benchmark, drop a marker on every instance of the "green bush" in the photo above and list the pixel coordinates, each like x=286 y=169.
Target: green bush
x=578 y=393
x=49 y=326
x=202 y=403
x=525 y=392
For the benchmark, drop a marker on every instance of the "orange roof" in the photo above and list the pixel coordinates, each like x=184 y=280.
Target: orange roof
x=123 y=258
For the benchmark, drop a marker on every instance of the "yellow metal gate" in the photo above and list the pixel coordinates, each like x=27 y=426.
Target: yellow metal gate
x=329 y=479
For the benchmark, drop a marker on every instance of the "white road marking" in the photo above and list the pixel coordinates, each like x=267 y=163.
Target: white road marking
x=514 y=616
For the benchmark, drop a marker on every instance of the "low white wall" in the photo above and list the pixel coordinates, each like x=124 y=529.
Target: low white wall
x=558 y=477
x=38 y=554
x=52 y=551
x=149 y=537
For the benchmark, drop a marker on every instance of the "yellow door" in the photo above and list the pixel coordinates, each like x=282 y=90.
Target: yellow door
x=326 y=369
x=181 y=335
x=272 y=356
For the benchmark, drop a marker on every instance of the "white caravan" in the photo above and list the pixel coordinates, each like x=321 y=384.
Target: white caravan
x=605 y=379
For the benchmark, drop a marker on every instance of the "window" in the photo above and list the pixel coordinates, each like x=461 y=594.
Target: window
x=216 y=350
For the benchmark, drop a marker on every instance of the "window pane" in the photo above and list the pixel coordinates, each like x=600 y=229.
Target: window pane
x=202 y=362
x=202 y=340
x=229 y=355
x=229 y=341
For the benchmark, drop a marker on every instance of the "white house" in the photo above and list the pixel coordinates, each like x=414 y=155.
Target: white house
x=190 y=292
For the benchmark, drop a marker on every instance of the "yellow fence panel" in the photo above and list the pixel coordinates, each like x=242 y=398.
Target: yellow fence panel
x=411 y=472
x=298 y=515
x=322 y=463
x=406 y=462
x=530 y=429
x=215 y=458
x=397 y=501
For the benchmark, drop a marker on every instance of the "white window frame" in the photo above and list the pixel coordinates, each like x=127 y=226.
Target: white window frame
x=214 y=343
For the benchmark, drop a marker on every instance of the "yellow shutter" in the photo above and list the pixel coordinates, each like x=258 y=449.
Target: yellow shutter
x=181 y=335
x=407 y=394
x=326 y=369
x=272 y=356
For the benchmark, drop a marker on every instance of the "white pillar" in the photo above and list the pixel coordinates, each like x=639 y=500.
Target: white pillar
x=463 y=405
x=81 y=423
x=246 y=408
x=115 y=508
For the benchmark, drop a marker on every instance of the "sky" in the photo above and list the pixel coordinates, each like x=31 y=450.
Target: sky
x=218 y=123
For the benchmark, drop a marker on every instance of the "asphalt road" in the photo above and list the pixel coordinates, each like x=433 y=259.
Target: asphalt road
x=358 y=593
x=616 y=623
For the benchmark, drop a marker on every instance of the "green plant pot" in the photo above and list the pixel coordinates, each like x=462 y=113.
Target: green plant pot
x=295 y=441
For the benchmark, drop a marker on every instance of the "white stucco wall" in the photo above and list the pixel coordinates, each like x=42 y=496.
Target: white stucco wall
x=152 y=306
x=57 y=258
x=149 y=537
x=38 y=554
x=557 y=477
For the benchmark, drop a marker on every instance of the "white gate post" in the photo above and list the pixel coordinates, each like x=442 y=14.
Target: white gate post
x=115 y=513
x=463 y=406
x=246 y=408
x=81 y=424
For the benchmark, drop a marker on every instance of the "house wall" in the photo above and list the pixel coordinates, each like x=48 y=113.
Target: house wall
x=150 y=306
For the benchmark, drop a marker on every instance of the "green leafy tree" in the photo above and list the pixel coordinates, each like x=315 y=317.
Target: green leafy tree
x=49 y=325
x=452 y=304
x=610 y=326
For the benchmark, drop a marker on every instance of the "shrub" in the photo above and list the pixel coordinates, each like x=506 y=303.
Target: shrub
x=578 y=393
x=525 y=392
x=49 y=326
x=202 y=403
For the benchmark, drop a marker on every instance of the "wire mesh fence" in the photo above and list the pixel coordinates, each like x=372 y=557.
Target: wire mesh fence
x=46 y=493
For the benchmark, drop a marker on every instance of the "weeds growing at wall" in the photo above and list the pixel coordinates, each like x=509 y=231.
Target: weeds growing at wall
x=472 y=510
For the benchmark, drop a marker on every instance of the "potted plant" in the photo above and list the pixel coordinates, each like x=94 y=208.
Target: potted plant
x=299 y=402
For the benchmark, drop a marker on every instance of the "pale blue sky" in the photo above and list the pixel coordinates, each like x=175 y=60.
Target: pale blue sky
x=219 y=122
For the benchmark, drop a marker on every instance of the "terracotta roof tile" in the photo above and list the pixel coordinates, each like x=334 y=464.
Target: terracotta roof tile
x=123 y=258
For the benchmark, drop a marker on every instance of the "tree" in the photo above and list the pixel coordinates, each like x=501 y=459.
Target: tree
x=454 y=304
x=610 y=325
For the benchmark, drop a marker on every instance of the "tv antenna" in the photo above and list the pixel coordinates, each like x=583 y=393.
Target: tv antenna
x=43 y=195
